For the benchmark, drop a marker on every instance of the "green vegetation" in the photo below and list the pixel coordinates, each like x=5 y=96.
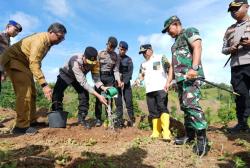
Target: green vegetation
x=224 y=113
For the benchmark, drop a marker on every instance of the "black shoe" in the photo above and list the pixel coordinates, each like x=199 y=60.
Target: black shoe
x=1 y=125
x=119 y=125
x=183 y=140
x=201 y=148
x=38 y=124
x=27 y=130
x=130 y=124
x=238 y=128
x=98 y=123
x=85 y=124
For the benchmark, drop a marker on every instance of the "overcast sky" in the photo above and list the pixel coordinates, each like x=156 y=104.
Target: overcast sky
x=90 y=23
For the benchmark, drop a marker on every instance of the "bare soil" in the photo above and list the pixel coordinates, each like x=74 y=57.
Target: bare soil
x=75 y=146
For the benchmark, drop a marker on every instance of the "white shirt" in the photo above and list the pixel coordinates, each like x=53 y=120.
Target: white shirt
x=154 y=75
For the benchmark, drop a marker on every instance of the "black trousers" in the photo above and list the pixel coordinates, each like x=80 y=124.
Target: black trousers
x=240 y=80
x=127 y=93
x=157 y=102
x=58 y=94
x=107 y=80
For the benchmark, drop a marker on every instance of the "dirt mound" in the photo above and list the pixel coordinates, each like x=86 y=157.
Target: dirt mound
x=75 y=146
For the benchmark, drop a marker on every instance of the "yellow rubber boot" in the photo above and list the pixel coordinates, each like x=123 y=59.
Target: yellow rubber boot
x=156 y=128
x=165 y=118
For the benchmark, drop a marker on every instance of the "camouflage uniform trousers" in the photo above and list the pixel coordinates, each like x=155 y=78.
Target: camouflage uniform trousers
x=189 y=96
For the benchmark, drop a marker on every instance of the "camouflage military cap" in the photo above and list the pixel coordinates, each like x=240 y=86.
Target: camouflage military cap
x=168 y=22
x=236 y=4
x=144 y=47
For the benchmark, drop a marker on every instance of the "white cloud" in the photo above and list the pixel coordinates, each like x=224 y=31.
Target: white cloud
x=28 y=22
x=59 y=8
x=159 y=42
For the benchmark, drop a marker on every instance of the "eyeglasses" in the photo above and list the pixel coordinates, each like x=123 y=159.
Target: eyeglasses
x=60 y=36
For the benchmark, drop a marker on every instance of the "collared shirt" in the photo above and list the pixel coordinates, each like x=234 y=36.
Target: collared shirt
x=232 y=37
x=126 y=68
x=109 y=62
x=4 y=44
x=153 y=73
x=182 y=54
x=75 y=69
x=27 y=55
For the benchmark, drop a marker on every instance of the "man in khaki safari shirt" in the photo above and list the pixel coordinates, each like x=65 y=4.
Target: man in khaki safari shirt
x=22 y=62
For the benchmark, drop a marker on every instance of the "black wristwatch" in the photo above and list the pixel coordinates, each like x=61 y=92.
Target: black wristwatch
x=195 y=67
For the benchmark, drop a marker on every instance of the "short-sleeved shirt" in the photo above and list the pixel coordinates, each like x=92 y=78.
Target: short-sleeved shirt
x=109 y=62
x=154 y=73
x=182 y=54
x=232 y=37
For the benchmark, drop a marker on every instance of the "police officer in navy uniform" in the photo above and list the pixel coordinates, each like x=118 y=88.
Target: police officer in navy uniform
x=109 y=72
x=126 y=72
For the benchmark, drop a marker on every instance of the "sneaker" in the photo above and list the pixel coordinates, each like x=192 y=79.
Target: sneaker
x=98 y=123
x=27 y=130
x=31 y=131
x=238 y=128
x=201 y=148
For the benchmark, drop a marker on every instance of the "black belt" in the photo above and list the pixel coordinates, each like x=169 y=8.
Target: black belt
x=106 y=73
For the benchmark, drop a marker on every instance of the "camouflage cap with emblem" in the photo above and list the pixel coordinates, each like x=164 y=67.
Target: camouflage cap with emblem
x=144 y=47
x=90 y=54
x=236 y=4
x=168 y=22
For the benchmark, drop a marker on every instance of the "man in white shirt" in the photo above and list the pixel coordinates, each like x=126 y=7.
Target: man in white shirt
x=154 y=73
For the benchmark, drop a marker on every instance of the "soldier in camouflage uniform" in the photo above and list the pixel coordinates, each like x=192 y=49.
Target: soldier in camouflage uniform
x=186 y=66
x=12 y=29
x=109 y=72
x=237 y=45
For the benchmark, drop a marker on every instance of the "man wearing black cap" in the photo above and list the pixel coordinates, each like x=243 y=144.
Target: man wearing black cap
x=12 y=29
x=236 y=43
x=125 y=92
x=109 y=72
x=186 y=66
x=74 y=73
x=154 y=73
